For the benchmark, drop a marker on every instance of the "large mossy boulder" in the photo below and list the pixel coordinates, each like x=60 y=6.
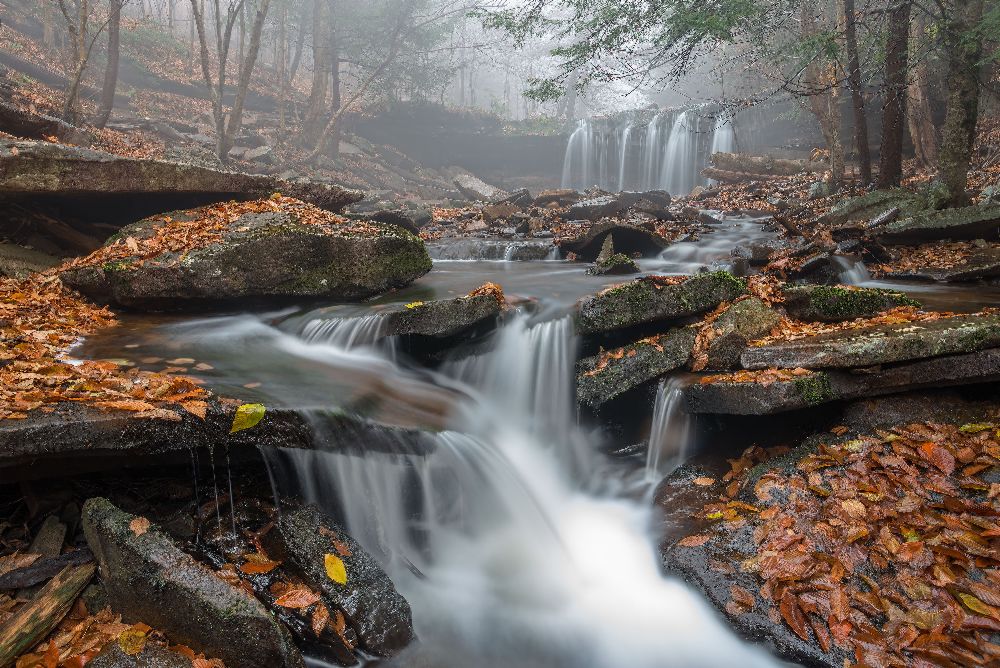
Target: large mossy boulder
x=746 y=320
x=603 y=377
x=971 y=222
x=149 y=579
x=266 y=250
x=834 y=303
x=375 y=610
x=655 y=299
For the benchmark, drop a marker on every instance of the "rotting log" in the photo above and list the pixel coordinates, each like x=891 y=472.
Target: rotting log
x=34 y=621
x=43 y=569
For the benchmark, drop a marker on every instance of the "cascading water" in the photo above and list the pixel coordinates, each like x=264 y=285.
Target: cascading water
x=507 y=539
x=668 y=154
x=345 y=333
x=670 y=433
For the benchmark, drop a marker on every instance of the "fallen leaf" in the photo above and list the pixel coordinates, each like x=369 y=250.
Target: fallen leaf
x=196 y=408
x=704 y=482
x=247 y=416
x=335 y=569
x=139 y=526
x=696 y=540
x=319 y=620
x=297 y=598
x=132 y=641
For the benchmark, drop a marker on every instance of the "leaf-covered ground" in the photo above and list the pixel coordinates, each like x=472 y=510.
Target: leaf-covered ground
x=884 y=546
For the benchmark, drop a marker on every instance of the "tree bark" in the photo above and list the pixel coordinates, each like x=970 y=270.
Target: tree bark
x=918 y=110
x=964 y=47
x=824 y=103
x=316 y=107
x=890 y=168
x=335 y=95
x=857 y=93
x=111 y=69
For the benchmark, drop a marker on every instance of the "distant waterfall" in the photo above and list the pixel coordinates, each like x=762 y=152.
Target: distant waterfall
x=667 y=151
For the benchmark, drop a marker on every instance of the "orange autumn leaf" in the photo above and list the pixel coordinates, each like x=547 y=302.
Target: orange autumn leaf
x=320 y=618
x=696 y=540
x=139 y=526
x=297 y=598
x=196 y=408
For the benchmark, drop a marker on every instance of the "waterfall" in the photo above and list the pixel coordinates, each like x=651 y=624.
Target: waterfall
x=851 y=271
x=498 y=539
x=679 y=173
x=650 y=154
x=670 y=433
x=626 y=138
x=345 y=333
x=578 y=157
x=723 y=136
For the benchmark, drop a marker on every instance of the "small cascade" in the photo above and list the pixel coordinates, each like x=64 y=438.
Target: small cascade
x=852 y=271
x=667 y=151
x=471 y=250
x=670 y=434
x=346 y=333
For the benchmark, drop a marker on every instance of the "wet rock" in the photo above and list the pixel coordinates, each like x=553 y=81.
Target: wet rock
x=611 y=263
x=971 y=222
x=943 y=406
x=605 y=206
x=375 y=610
x=822 y=303
x=768 y=395
x=653 y=299
x=758 y=253
x=629 y=239
x=520 y=198
x=494 y=212
x=864 y=208
x=559 y=197
x=984 y=263
x=36 y=170
x=149 y=579
x=75 y=437
x=490 y=249
x=654 y=203
x=744 y=321
x=882 y=344
x=22 y=123
x=151 y=656
x=20 y=262
x=443 y=318
x=261 y=256
x=604 y=377
x=410 y=220
x=262 y=154
x=476 y=189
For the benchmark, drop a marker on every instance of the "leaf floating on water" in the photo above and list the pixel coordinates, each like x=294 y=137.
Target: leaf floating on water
x=139 y=526
x=697 y=540
x=132 y=641
x=297 y=598
x=335 y=569
x=247 y=416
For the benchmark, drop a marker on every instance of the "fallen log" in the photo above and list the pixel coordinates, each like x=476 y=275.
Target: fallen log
x=34 y=621
x=43 y=569
x=764 y=165
x=23 y=123
x=725 y=176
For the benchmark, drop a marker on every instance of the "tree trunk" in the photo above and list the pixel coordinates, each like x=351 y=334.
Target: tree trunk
x=857 y=93
x=964 y=46
x=322 y=60
x=918 y=110
x=243 y=84
x=824 y=103
x=335 y=98
x=111 y=69
x=890 y=167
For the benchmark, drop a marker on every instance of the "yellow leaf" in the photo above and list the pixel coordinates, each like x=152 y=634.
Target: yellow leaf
x=414 y=304
x=335 y=569
x=247 y=415
x=132 y=641
x=975 y=427
x=977 y=606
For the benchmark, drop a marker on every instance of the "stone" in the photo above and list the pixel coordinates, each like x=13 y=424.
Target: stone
x=865 y=207
x=880 y=344
x=411 y=220
x=375 y=610
x=151 y=656
x=629 y=239
x=262 y=154
x=758 y=253
x=983 y=263
x=443 y=318
x=610 y=263
x=20 y=262
x=149 y=579
x=971 y=222
x=823 y=303
x=746 y=320
x=476 y=189
x=655 y=299
x=819 y=189
x=260 y=257
x=496 y=212
x=605 y=206
x=603 y=377
x=520 y=198
x=559 y=197
x=945 y=406
x=22 y=123
x=768 y=396
x=33 y=171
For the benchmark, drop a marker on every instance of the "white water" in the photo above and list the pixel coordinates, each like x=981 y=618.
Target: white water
x=668 y=154
x=526 y=556
x=670 y=434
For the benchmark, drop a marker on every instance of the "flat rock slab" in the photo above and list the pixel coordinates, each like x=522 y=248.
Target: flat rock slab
x=881 y=344
x=604 y=377
x=769 y=395
x=268 y=256
x=149 y=579
x=19 y=262
x=653 y=299
x=375 y=610
x=36 y=169
x=834 y=303
x=971 y=222
x=81 y=434
x=982 y=264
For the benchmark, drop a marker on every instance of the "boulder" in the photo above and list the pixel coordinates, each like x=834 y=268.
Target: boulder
x=866 y=207
x=744 y=321
x=823 y=303
x=32 y=171
x=605 y=206
x=655 y=299
x=497 y=212
x=770 y=392
x=758 y=253
x=983 y=263
x=22 y=123
x=149 y=579
x=610 y=374
x=262 y=154
x=490 y=249
x=151 y=656
x=560 y=197
x=971 y=222
x=291 y=252
x=629 y=239
x=520 y=198
x=410 y=220
x=475 y=189
x=20 y=262
x=375 y=610
x=879 y=344
x=610 y=263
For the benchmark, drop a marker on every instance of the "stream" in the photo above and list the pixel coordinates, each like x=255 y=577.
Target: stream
x=517 y=542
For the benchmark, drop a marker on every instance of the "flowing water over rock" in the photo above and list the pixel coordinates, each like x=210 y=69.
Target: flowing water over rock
x=670 y=435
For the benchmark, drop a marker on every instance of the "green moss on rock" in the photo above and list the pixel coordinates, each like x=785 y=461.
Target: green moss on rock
x=825 y=303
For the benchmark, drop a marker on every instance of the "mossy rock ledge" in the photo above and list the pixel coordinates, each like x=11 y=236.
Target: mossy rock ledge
x=266 y=257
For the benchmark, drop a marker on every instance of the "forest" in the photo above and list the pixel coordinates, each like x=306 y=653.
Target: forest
x=496 y=333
